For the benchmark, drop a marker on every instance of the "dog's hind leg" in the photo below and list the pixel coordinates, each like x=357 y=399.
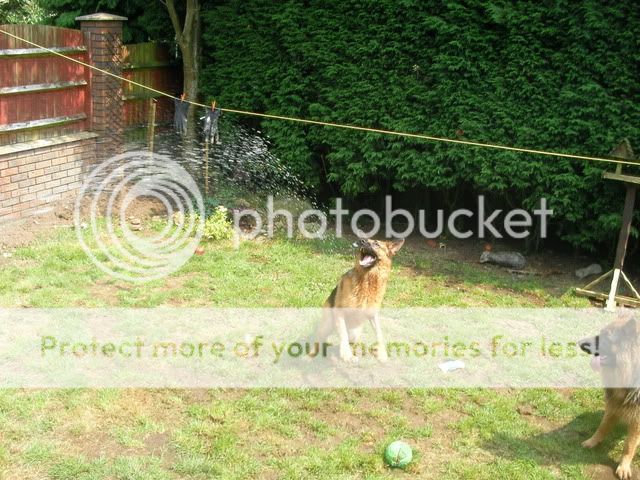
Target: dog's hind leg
x=324 y=329
x=606 y=424
x=633 y=439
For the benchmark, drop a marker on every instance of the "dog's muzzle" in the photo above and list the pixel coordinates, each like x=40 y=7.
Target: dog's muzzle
x=368 y=256
x=589 y=345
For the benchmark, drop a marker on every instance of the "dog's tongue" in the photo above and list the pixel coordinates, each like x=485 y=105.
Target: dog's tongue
x=595 y=363
x=367 y=260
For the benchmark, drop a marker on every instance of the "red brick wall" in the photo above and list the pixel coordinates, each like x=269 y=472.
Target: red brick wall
x=32 y=179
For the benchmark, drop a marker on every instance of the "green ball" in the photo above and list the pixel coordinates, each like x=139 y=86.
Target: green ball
x=398 y=454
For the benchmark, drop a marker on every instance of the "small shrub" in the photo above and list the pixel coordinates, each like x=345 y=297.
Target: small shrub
x=218 y=226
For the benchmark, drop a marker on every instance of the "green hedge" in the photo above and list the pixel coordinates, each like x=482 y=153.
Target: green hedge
x=549 y=75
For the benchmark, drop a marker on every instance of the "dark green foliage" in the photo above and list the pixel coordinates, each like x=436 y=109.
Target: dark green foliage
x=21 y=11
x=549 y=75
x=148 y=19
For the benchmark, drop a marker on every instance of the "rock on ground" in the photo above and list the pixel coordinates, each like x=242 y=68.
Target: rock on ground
x=513 y=260
x=593 y=269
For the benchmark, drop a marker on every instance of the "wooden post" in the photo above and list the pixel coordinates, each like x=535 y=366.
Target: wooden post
x=152 y=122
x=623 y=151
x=623 y=238
x=206 y=167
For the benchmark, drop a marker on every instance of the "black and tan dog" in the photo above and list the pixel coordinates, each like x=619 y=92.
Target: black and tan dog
x=616 y=355
x=358 y=297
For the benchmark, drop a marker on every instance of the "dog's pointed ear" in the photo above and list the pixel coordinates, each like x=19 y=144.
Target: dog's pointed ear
x=395 y=245
x=631 y=324
x=632 y=328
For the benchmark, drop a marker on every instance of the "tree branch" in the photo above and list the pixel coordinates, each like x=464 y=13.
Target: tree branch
x=193 y=10
x=175 y=19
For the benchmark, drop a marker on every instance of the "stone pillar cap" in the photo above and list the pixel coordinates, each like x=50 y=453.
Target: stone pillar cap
x=101 y=17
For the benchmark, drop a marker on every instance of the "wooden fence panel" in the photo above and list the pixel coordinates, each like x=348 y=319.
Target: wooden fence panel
x=47 y=36
x=42 y=95
x=148 y=64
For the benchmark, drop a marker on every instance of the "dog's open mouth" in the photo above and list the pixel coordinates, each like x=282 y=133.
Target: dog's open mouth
x=367 y=257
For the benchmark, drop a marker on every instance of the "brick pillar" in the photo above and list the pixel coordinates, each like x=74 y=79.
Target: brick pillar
x=103 y=37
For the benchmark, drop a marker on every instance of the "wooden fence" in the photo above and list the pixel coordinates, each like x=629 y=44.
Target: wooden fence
x=42 y=95
x=59 y=118
x=149 y=64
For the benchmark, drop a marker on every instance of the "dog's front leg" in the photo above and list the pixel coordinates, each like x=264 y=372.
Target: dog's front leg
x=345 y=349
x=633 y=439
x=382 y=345
x=607 y=422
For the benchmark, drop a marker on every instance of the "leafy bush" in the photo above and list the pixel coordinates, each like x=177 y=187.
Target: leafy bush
x=218 y=226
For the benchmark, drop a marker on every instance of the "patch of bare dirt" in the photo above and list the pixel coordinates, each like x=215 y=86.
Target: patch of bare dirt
x=604 y=472
x=157 y=443
x=98 y=444
x=156 y=405
x=60 y=215
x=18 y=233
x=108 y=292
x=545 y=263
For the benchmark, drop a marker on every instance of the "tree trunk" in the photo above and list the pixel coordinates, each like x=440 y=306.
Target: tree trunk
x=190 y=72
x=188 y=39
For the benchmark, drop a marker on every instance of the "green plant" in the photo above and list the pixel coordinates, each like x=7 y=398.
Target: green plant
x=218 y=226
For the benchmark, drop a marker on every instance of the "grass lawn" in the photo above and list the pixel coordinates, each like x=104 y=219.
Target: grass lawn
x=278 y=433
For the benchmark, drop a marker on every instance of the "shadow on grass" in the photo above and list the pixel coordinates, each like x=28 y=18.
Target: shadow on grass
x=561 y=446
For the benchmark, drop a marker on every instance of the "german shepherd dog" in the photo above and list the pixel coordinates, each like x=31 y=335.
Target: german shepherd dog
x=616 y=355
x=358 y=297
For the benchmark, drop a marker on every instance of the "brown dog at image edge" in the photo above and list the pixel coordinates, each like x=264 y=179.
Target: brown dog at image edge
x=615 y=353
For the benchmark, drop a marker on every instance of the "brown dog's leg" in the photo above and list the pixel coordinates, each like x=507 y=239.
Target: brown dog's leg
x=633 y=439
x=382 y=345
x=343 y=334
x=325 y=327
x=607 y=422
